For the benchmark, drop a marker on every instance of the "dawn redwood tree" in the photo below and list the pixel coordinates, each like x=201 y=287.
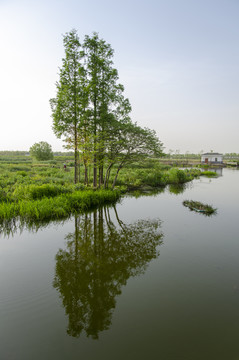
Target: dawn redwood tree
x=103 y=90
x=71 y=100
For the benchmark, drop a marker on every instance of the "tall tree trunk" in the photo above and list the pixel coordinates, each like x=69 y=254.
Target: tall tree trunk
x=107 y=176
x=99 y=177
x=86 y=173
x=101 y=174
x=117 y=173
x=95 y=172
x=95 y=145
x=76 y=153
x=78 y=158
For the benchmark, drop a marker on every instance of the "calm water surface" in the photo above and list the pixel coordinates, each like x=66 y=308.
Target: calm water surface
x=147 y=278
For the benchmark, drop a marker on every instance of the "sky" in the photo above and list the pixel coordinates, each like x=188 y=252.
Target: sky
x=178 y=61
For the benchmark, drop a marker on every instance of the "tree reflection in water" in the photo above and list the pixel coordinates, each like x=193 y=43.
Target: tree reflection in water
x=100 y=257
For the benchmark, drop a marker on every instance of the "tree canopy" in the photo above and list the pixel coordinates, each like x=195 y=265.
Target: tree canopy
x=41 y=151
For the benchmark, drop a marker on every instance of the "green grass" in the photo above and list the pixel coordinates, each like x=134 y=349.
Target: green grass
x=209 y=173
x=156 y=177
x=199 y=207
x=59 y=207
x=44 y=190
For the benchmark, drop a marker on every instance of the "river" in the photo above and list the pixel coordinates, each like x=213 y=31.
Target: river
x=145 y=279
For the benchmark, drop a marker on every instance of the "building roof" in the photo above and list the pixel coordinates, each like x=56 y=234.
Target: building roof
x=212 y=154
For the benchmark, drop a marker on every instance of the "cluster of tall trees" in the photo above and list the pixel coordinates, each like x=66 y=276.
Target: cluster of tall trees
x=91 y=112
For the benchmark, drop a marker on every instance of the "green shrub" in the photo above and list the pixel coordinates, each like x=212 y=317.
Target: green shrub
x=176 y=176
x=22 y=173
x=209 y=173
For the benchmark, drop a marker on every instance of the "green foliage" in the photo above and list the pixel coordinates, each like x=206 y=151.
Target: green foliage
x=41 y=151
x=155 y=177
x=45 y=185
x=57 y=208
x=22 y=173
x=176 y=176
x=200 y=207
x=176 y=189
x=33 y=192
x=209 y=173
x=130 y=248
x=91 y=113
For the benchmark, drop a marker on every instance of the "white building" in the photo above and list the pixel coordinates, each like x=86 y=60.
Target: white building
x=212 y=158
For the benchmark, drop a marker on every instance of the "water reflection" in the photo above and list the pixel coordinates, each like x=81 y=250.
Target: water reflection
x=152 y=192
x=100 y=256
x=177 y=189
x=217 y=170
x=11 y=227
x=8 y=227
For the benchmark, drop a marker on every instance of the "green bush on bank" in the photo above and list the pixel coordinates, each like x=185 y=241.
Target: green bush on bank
x=156 y=177
x=176 y=176
x=209 y=173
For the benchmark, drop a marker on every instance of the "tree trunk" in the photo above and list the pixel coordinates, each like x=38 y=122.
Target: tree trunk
x=78 y=158
x=95 y=173
x=76 y=154
x=107 y=176
x=101 y=174
x=86 y=173
x=117 y=173
x=95 y=144
x=89 y=173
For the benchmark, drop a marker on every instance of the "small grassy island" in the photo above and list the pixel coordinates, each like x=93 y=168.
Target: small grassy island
x=200 y=207
x=209 y=174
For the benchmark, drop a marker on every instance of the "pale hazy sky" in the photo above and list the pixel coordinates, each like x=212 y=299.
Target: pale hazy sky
x=177 y=59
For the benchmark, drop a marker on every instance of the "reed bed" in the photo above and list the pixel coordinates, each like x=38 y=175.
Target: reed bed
x=58 y=207
x=209 y=173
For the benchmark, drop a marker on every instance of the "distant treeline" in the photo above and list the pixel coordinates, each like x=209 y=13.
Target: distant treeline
x=231 y=156
x=12 y=153
x=188 y=155
x=71 y=153
x=26 y=153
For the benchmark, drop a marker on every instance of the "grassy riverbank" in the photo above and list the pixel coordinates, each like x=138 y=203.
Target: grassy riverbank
x=57 y=207
x=45 y=190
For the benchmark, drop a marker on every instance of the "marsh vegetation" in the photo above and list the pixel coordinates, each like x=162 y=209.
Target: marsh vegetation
x=46 y=190
x=200 y=207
